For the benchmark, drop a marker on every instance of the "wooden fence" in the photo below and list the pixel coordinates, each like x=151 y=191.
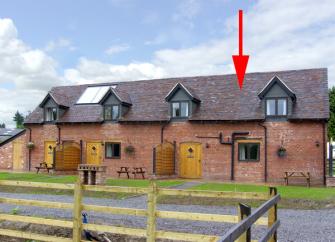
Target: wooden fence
x=240 y=232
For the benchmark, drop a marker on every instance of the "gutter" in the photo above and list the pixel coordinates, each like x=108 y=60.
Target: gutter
x=265 y=152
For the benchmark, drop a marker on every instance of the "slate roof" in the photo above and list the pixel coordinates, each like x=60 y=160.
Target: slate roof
x=8 y=134
x=221 y=98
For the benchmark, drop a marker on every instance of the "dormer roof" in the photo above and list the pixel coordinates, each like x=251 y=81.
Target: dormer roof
x=123 y=97
x=57 y=98
x=188 y=91
x=282 y=84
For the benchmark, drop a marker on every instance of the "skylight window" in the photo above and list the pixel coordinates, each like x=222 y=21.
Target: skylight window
x=93 y=95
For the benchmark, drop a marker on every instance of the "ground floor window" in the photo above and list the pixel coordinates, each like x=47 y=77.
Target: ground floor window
x=113 y=150
x=248 y=151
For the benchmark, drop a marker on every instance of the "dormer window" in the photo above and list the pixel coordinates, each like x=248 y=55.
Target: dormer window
x=51 y=114
x=111 y=112
x=276 y=106
x=180 y=109
x=182 y=102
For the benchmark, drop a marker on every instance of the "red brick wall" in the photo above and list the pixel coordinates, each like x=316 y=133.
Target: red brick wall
x=6 y=156
x=298 y=138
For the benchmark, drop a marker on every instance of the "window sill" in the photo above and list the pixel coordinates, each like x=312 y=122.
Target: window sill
x=247 y=161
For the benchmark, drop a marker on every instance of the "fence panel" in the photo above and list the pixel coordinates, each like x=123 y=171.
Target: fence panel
x=241 y=231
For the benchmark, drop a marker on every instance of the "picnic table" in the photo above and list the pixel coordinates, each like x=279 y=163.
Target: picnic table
x=135 y=171
x=139 y=170
x=43 y=166
x=123 y=170
x=301 y=174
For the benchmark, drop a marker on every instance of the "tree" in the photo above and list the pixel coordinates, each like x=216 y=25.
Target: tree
x=3 y=125
x=18 y=118
x=331 y=122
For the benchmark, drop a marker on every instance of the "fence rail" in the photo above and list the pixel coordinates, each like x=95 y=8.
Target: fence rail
x=240 y=232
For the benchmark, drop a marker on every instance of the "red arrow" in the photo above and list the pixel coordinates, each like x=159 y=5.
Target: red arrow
x=240 y=60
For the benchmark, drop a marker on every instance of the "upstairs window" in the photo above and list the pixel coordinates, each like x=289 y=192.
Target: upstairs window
x=111 y=112
x=113 y=150
x=180 y=109
x=276 y=107
x=248 y=151
x=51 y=114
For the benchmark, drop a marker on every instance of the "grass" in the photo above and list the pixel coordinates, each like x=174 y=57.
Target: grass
x=291 y=196
x=286 y=192
x=142 y=183
x=33 y=177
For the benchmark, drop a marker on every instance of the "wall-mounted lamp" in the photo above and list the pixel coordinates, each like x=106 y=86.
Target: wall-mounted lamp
x=317 y=143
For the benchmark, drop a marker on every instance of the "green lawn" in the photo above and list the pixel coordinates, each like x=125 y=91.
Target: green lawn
x=286 y=192
x=142 y=183
x=32 y=177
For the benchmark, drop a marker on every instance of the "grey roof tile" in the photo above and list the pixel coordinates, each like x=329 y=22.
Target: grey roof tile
x=221 y=98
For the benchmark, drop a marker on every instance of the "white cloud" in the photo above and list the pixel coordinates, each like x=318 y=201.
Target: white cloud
x=30 y=71
x=93 y=71
x=187 y=10
x=114 y=49
x=21 y=100
x=60 y=43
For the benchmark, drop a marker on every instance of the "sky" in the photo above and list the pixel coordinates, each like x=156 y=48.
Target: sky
x=53 y=43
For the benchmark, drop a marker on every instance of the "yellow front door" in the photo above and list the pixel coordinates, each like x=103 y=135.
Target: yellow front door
x=93 y=153
x=190 y=160
x=17 y=155
x=49 y=152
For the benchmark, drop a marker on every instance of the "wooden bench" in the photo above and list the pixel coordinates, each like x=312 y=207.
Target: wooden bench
x=123 y=170
x=43 y=166
x=301 y=174
x=139 y=170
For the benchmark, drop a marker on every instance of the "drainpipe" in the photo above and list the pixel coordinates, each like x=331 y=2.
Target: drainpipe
x=29 y=151
x=59 y=132
x=324 y=152
x=232 y=143
x=162 y=130
x=265 y=151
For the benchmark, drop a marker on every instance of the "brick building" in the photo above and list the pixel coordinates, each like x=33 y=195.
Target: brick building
x=12 y=151
x=276 y=123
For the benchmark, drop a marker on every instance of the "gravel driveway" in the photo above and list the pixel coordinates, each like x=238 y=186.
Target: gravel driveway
x=296 y=225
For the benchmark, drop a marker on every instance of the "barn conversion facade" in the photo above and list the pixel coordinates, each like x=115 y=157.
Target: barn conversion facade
x=206 y=125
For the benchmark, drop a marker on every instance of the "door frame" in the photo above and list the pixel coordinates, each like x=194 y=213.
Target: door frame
x=101 y=142
x=179 y=157
x=45 y=141
x=20 y=165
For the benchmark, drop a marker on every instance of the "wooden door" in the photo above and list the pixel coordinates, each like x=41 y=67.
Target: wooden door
x=93 y=153
x=190 y=160
x=49 y=152
x=17 y=155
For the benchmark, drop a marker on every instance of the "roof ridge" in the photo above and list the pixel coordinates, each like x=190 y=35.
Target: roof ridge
x=190 y=77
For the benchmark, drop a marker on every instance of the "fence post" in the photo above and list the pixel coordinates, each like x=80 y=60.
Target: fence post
x=272 y=215
x=77 y=207
x=243 y=212
x=151 y=220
